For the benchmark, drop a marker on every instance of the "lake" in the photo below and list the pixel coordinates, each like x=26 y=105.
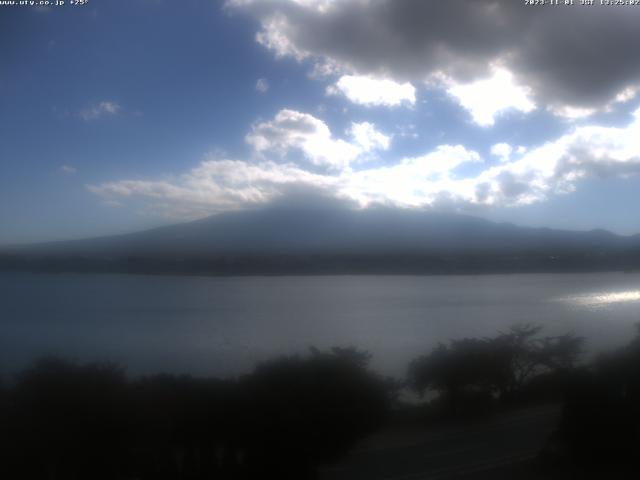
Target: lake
x=224 y=326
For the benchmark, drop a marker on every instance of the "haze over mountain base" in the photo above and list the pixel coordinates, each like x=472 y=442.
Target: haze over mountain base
x=281 y=240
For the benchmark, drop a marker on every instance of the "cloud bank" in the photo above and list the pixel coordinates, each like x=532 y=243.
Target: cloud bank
x=570 y=60
x=427 y=181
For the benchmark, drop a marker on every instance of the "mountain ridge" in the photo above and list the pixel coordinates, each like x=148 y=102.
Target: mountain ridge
x=339 y=235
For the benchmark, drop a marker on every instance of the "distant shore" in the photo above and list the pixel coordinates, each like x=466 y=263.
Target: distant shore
x=338 y=264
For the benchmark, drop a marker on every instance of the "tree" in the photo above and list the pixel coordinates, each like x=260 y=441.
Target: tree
x=462 y=366
x=524 y=355
x=69 y=420
x=312 y=409
x=500 y=366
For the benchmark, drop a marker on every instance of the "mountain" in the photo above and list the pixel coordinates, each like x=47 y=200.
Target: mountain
x=285 y=240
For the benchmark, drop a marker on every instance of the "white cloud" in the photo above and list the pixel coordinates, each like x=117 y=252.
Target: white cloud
x=368 y=137
x=502 y=151
x=68 y=169
x=370 y=91
x=626 y=95
x=215 y=185
x=99 y=110
x=487 y=98
x=431 y=179
x=273 y=37
x=295 y=131
x=557 y=167
x=553 y=168
x=262 y=85
x=413 y=182
x=572 y=113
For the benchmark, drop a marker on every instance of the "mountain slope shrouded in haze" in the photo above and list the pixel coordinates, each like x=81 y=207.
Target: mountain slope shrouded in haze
x=281 y=240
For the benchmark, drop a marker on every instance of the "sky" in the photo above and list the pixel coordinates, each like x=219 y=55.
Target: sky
x=117 y=116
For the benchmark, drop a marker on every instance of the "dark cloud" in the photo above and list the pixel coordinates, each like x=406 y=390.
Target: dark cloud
x=570 y=55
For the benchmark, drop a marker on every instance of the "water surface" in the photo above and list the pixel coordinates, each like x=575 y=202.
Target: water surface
x=223 y=326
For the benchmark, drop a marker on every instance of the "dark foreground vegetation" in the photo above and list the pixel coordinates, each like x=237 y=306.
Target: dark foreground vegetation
x=599 y=434
x=63 y=420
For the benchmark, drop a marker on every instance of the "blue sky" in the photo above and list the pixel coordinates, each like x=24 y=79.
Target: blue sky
x=122 y=115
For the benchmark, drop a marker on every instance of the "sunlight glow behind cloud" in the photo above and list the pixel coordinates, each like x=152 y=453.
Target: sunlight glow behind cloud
x=485 y=99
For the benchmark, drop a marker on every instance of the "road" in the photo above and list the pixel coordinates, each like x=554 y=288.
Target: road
x=498 y=447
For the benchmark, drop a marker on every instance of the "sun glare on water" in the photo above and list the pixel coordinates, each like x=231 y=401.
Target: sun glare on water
x=602 y=299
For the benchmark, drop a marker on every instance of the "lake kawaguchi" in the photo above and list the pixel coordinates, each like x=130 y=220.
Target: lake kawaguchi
x=225 y=325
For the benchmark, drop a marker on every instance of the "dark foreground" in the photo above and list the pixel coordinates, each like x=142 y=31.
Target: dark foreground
x=518 y=405
x=483 y=448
